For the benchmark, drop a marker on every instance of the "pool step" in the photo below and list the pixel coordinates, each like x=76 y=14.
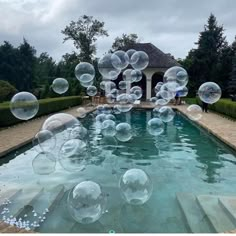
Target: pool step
x=194 y=216
x=45 y=200
x=229 y=206
x=216 y=215
x=8 y=195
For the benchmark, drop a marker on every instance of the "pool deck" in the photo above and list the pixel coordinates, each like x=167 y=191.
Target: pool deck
x=18 y=135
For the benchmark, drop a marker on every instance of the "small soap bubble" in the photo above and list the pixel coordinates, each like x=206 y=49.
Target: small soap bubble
x=60 y=85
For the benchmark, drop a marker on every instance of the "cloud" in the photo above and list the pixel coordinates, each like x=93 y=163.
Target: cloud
x=171 y=25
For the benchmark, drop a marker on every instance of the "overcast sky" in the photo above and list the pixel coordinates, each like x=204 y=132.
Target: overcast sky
x=171 y=25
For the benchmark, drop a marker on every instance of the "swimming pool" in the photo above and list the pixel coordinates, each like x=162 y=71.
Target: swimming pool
x=184 y=159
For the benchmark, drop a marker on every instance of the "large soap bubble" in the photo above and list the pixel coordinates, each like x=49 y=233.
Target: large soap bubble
x=86 y=202
x=110 y=98
x=24 y=105
x=108 y=128
x=44 y=163
x=194 y=112
x=136 y=186
x=125 y=102
x=81 y=112
x=136 y=76
x=73 y=154
x=176 y=74
x=137 y=91
x=79 y=132
x=139 y=60
x=127 y=75
x=123 y=85
x=106 y=68
x=60 y=85
x=44 y=140
x=123 y=62
x=59 y=122
x=166 y=114
x=183 y=92
x=130 y=52
x=166 y=91
x=209 y=92
x=155 y=126
x=84 y=72
x=123 y=132
x=92 y=91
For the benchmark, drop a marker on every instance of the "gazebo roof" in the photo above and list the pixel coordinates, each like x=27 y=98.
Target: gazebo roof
x=157 y=58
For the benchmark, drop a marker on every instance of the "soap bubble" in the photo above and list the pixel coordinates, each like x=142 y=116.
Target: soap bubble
x=103 y=85
x=108 y=128
x=110 y=98
x=123 y=62
x=161 y=101
x=109 y=86
x=153 y=100
x=126 y=75
x=137 y=91
x=183 y=92
x=130 y=52
x=155 y=126
x=136 y=76
x=123 y=132
x=44 y=141
x=99 y=109
x=91 y=91
x=72 y=155
x=81 y=112
x=78 y=132
x=107 y=109
x=115 y=92
x=59 y=122
x=116 y=110
x=100 y=118
x=136 y=186
x=166 y=92
x=60 y=85
x=209 y=92
x=158 y=87
x=194 y=112
x=86 y=202
x=110 y=117
x=166 y=114
x=44 y=163
x=84 y=72
x=176 y=74
x=123 y=85
x=156 y=112
x=24 y=105
x=106 y=68
x=139 y=60
x=125 y=102
x=86 y=84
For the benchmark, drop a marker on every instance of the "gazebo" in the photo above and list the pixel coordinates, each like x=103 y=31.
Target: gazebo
x=159 y=62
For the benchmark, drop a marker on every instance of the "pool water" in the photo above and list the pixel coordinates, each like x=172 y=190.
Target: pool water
x=184 y=158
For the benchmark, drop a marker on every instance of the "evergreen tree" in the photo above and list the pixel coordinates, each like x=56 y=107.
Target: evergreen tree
x=232 y=82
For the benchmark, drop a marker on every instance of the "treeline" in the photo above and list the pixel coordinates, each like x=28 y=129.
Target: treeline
x=212 y=60
x=21 y=68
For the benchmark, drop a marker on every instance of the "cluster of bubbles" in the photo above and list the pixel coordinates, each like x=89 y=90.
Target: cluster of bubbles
x=87 y=201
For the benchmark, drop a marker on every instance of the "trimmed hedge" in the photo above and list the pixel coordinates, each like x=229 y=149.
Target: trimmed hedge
x=46 y=106
x=223 y=106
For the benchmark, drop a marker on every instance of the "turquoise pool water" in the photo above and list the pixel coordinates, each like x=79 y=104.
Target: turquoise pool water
x=184 y=158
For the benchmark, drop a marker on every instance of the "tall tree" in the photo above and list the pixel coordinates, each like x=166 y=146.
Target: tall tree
x=126 y=40
x=202 y=63
x=84 y=34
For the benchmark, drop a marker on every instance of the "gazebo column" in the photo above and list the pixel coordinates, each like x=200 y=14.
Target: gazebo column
x=148 y=86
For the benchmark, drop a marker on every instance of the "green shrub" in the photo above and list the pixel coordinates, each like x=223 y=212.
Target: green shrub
x=6 y=91
x=223 y=106
x=46 y=106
